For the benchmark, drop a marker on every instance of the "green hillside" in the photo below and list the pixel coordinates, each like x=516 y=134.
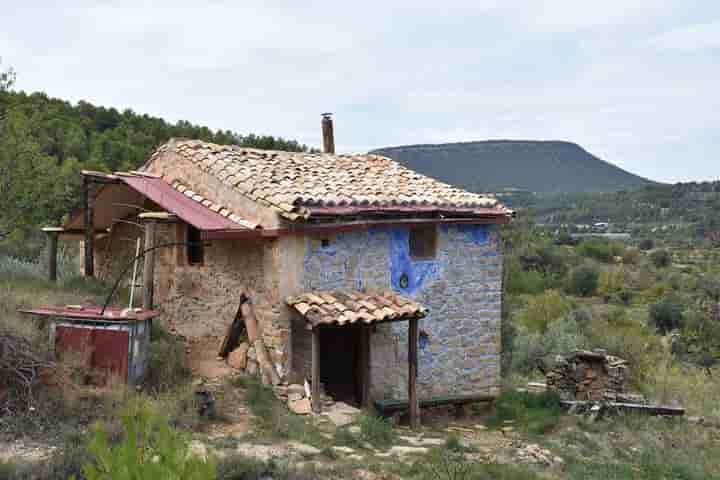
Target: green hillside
x=45 y=142
x=536 y=166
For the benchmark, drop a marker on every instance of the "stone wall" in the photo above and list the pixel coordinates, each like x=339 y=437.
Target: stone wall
x=460 y=338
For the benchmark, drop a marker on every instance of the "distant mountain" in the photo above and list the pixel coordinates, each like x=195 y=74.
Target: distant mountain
x=537 y=166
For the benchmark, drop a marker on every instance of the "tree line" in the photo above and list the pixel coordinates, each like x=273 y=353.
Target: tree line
x=45 y=142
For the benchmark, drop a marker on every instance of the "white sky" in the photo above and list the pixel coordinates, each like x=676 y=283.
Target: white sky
x=634 y=82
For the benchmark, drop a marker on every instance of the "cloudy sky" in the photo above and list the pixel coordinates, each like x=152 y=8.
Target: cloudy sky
x=636 y=82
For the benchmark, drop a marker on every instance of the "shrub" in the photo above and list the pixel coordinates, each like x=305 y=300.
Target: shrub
x=535 y=413
x=167 y=363
x=611 y=282
x=583 y=281
x=530 y=349
x=149 y=449
x=377 y=431
x=666 y=315
x=600 y=250
x=661 y=258
x=528 y=282
x=646 y=244
x=542 y=310
x=631 y=256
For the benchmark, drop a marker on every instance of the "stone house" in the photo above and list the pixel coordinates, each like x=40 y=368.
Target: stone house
x=336 y=255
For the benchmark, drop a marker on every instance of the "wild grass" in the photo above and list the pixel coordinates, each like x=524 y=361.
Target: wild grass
x=641 y=447
x=443 y=464
x=533 y=413
x=272 y=419
x=376 y=431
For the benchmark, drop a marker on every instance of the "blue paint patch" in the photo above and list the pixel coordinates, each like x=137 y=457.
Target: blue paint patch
x=419 y=273
x=476 y=234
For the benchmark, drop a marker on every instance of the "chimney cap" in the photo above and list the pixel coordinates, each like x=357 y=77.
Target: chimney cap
x=326 y=114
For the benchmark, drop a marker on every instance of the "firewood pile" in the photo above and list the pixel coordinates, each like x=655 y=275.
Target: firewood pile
x=591 y=376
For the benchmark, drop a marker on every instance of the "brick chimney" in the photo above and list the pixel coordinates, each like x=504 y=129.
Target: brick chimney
x=327 y=132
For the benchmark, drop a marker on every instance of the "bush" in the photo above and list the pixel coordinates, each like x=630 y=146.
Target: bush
x=531 y=349
x=529 y=282
x=535 y=413
x=661 y=258
x=583 y=281
x=149 y=449
x=631 y=256
x=666 y=315
x=646 y=244
x=542 y=310
x=601 y=250
x=167 y=364
x=376 y=431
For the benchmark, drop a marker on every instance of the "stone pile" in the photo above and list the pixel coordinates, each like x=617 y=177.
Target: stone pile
x=590 y=376
x=297 y=397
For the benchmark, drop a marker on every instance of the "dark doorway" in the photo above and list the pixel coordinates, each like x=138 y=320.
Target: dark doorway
x=342 y=362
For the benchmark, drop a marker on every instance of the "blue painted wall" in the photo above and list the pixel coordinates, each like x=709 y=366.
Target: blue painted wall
x=461 y=286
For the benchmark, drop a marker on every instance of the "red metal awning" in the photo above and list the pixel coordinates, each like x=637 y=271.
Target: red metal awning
x=92 y=312
x=122 y=194
x=187 y=209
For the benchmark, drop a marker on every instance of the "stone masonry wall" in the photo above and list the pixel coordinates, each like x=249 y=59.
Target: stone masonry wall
x=459 y=351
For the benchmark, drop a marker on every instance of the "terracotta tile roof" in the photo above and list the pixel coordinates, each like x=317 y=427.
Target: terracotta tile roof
x=322 y=308
x=292 y=183
x=215 y=207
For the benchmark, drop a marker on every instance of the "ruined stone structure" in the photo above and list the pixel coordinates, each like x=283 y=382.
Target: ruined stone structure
x=592 y=376
x=270 y=226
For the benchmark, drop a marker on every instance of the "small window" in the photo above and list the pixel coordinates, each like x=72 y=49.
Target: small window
x=423 y=242
x=195 y=248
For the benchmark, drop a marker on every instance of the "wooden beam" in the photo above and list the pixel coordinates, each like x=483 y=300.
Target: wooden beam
x=89 y=207
x=414 y=408
x=52 y=243
x=149 y=265
x=365 y=365
x=315 y=393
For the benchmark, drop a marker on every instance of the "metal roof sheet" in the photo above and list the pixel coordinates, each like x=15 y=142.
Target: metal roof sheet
x=92 y=312
x=187 y=208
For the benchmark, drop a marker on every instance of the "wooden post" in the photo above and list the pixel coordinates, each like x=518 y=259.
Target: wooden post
x=412 y=373
x=88 y=205
x=52 y=244
x=149 y=264
x=365 y=365
x=315 y=392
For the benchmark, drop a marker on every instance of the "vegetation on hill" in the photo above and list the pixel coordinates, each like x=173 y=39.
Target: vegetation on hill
x=683 y=214
x=534 y=166
x=45 y=142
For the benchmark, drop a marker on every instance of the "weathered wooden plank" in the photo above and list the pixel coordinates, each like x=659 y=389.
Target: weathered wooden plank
x=413 y=407
x=389 y=406
x=315 y=394
x=88 y=205
x=149 y=265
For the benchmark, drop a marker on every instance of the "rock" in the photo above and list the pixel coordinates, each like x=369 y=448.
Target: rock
x=238 y=357
x=345 y=450
x=303 y=448
x=294 y=396
x=300 y=407
x=341 y=414
x=252 y=367
x=198 y=449
x=401 y=450
x=295 y=388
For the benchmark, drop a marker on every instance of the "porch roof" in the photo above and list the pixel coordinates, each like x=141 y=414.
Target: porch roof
x=349 y=307
x=123 y=193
